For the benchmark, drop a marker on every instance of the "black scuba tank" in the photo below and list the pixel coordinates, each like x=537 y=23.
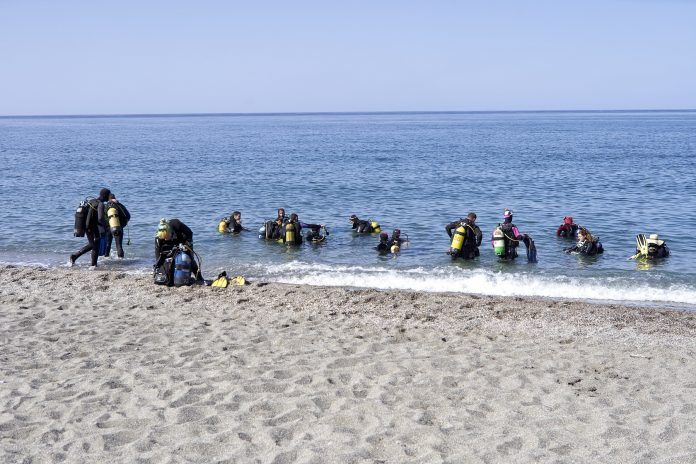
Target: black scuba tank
x=81 y=219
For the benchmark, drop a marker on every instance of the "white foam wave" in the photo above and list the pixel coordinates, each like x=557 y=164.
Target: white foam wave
x=484 y=282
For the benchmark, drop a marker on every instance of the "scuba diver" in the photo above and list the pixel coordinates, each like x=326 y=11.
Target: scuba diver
x=174 y=247
x=274 y=230
x=568 y=229
x=364 y=227
x=293 y=231
x=118 y=217
x=466 y=238
x=231 y=224
x=90 y=221
x=506 y=238
x=650 y=248
x=587 y=244
x=391 y=244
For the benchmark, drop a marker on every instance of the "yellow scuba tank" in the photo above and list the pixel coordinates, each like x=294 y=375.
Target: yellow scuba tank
x=375 y=227
x=458 y=238
x=395 y=248
x=289 y=234
x=222 y=226
x=499 y=241
x=112 y=214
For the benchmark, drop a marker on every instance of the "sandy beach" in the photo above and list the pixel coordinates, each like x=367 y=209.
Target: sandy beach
x=105 y=366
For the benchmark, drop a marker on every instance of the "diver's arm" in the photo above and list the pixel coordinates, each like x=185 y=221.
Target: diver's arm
x=450 y=226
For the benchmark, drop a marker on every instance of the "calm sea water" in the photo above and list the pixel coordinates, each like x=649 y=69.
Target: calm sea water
x=618 y=174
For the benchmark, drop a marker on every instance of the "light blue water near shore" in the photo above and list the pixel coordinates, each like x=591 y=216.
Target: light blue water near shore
x=617 y=173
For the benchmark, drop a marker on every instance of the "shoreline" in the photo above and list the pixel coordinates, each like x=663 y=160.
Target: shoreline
x=106 y=366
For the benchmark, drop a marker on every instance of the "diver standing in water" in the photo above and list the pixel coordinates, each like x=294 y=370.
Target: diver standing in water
x=587 y=244
x=231 y=224
x=507 y=237
x=95 y=226
x=118 y=217
x=293 y=231
x=568 y=229
x=466 y=238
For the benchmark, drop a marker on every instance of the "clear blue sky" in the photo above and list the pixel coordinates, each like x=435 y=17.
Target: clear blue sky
x=93 y=57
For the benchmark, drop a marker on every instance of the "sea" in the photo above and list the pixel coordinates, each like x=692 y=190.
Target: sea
x=617 y=173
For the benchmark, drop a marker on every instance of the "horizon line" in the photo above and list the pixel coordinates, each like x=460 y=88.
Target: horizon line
x=327 y=113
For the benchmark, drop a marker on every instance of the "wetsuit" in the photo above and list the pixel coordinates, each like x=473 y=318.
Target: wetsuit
x=96 y=227
x=298 y=231
x=473 y=238
x=362 y=227
x=181 y=235
x=513 y=237
x=587 y=247
x=567 y=231
x=233 y=226
x=117 y=234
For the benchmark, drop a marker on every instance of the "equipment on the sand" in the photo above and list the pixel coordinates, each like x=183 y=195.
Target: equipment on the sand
x=182 y=268
x=164 y=275
x=223 y=281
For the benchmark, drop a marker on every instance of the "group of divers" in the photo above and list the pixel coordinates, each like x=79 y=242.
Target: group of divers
x=103 y=219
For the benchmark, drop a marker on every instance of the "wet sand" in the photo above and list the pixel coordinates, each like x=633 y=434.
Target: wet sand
x=104 y=366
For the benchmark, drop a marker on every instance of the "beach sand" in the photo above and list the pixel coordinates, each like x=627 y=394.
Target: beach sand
x=107 y=367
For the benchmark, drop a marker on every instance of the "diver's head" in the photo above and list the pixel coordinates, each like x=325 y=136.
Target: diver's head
x=396 y=234
x=507 y=216
x=104 y=194
x=281 y=212
x=383 y=237
x=353 y=218
x=471 y=216
x=293 y=217
x=237 y=216
x=164 y=230
x=568 y=220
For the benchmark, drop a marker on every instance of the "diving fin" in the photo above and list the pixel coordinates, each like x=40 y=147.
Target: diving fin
x=531 y=249
x=221 y=280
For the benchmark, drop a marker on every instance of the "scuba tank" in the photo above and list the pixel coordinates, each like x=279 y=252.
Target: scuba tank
x=290 y=234
x=375 y=227
x=182 y=268
x=458 y=240
x=81 y=219
x=499 y=241
x=114 y=220
x=222 y=226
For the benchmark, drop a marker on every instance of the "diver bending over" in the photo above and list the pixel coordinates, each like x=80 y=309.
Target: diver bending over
x=466 y=238
x=170 y=234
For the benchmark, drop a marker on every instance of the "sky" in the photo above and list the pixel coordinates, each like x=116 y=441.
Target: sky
x=134 y=57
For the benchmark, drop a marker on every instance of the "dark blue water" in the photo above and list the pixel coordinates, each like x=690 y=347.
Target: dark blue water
x=618 y=174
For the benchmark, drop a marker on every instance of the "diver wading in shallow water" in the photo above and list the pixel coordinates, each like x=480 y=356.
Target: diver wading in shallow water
x=391 y=244
x=587 y=244
x=90 y=221
x=466 y=237
x=507 y=237
x=231 y=224
x=118 y=217
x=364 y=227
x=293 y=231
x=174 y=256
x=650 y=247
x=568 y=229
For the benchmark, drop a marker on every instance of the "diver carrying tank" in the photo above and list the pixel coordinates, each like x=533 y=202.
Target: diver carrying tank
x=499 y=241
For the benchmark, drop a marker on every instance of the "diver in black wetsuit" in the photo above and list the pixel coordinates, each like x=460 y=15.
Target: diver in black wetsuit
x=233 y=224
x=96 y=226
x=170 y=234
x=361 y=226
x=587 y=244
x=298 y=225
x=116 y=233
x=473 y=238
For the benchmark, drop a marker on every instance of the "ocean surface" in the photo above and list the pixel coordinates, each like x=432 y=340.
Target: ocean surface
x=617 y=173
